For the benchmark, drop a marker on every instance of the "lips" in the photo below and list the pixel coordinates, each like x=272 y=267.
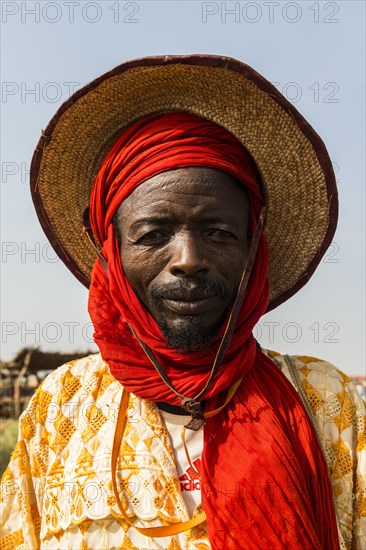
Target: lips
x=190 y=306
x=190 y=297
x=193 y=294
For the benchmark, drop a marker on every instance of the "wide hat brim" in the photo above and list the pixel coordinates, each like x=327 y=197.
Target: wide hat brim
x=296 y=171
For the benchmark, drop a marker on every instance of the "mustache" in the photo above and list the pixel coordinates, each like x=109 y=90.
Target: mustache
x=194 y=288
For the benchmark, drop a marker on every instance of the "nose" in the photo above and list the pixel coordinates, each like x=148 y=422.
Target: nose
x=188 y=256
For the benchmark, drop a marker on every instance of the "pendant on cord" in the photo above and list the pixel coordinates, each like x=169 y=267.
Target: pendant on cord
x=196 y=411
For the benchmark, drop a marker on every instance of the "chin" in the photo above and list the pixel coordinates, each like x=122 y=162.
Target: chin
x=189 y=336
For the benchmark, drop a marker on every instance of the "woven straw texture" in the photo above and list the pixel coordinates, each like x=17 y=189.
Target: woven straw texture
x=292 y=176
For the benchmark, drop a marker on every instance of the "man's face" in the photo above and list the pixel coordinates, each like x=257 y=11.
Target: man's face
x=183 y=237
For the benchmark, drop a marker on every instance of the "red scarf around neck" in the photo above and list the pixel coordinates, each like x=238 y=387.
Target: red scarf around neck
x=264 y=480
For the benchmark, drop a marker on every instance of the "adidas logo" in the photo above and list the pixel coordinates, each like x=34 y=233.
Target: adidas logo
x=190 y=481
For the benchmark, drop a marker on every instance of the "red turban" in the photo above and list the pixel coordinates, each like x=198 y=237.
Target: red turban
x=265 y=481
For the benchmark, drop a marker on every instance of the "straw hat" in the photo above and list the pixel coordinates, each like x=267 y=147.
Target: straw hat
x=294 y=165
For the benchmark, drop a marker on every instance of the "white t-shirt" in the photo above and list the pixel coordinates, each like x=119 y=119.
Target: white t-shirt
x=190 y=483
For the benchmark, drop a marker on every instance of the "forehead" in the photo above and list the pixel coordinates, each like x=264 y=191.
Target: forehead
x=192 y=190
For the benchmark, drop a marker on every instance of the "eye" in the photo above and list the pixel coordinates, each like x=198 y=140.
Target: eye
x=221 y=234
x=153 y=237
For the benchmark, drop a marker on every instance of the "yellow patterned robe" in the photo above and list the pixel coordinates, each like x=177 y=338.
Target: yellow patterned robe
x=57 y=490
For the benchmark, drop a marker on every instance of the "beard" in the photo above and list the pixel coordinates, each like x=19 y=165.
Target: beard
x=190 y=336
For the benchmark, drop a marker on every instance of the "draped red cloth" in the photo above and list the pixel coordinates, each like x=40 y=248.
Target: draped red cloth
x=264 y=478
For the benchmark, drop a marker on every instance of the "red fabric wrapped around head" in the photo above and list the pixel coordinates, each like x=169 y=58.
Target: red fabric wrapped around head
x=264 y=481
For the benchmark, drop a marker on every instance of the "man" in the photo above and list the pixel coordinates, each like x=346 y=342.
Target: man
x=207 y=200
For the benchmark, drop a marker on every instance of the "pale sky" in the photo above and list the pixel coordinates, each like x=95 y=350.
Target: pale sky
x=314 y=51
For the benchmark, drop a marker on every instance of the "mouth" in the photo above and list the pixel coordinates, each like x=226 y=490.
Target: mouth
x=190 y=306
x=191 y=298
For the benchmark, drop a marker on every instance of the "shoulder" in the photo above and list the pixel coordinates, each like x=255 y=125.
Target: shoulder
x=328 y=390
x=68 y=390
x=79 y=369
x=312 y=371
x=84 y=374
x=337 y=408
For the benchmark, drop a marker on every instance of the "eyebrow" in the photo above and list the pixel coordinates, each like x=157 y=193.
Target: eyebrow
x=153 y=220
x=157 y=220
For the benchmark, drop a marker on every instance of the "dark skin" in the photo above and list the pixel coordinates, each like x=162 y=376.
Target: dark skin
x=183 y=237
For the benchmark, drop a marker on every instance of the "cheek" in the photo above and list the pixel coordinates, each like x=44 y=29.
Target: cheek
x=230 y=262
x=141 y=267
